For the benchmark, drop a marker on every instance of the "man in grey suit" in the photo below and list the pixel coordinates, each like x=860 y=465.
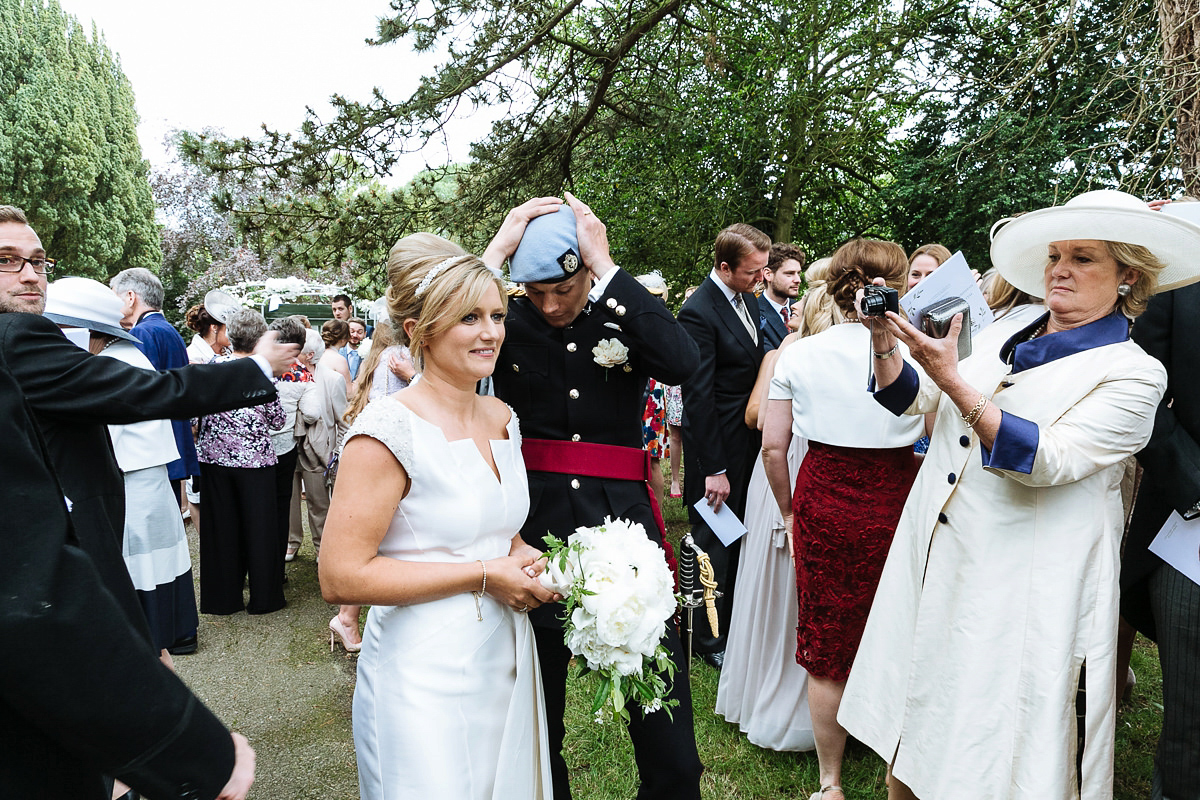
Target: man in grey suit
x=1156 y=598
x=781 y=278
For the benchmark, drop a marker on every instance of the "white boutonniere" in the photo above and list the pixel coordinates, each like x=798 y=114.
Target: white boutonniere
x=610 y=353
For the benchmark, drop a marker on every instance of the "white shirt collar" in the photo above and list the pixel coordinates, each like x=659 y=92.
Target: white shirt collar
x=777 y=306
x=729 y=293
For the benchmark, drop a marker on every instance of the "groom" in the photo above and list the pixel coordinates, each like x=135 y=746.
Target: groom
x=582 y=427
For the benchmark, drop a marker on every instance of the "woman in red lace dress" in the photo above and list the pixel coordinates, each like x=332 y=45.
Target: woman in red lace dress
x=849 y=491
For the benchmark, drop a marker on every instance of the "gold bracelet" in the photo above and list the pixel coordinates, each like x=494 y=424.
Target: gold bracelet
x=482 y=590
x=888 y=354
x=972 y=416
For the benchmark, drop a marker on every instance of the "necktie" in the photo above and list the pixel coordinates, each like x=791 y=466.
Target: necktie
x=784 y=311
x=740 y=308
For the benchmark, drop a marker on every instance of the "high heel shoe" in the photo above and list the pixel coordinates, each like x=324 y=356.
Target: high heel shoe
x=826 y=789
x=336 y=628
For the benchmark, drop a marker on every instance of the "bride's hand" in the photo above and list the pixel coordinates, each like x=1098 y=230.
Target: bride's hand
x=533 y=559
x=509 y=583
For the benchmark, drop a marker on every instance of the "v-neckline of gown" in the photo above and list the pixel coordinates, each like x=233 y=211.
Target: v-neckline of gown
x=493 y=467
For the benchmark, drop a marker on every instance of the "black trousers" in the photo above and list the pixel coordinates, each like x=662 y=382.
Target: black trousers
x=664 y=748
x=284 y=480
x=239 y=537
x=742 y=451
x=1175 y=601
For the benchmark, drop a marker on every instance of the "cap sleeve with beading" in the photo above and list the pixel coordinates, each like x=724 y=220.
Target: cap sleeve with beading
x=390 y=422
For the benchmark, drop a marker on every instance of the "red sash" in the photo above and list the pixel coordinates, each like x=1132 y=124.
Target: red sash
x=597 y=461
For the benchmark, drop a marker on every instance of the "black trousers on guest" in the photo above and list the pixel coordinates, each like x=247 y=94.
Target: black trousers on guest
x=284 y=475
x=239 y=537
x=1175 y=601
x=665 y=749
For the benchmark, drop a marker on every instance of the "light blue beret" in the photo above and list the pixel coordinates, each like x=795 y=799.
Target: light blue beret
x=549 y=250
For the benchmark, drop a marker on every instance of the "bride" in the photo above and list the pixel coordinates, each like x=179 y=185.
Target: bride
x=424 y=526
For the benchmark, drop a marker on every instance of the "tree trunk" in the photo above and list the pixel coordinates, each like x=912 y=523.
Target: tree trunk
x=1179 y=23
x=789 y=194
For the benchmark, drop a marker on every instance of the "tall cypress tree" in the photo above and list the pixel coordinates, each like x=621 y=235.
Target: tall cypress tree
x=69 y=153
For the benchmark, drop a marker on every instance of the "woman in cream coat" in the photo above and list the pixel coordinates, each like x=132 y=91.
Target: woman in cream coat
x=1002 y=578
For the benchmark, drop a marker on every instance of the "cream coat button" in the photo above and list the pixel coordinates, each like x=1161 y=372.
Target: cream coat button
x=516 y=368
x=620 y=311
x=571 y=347
x=612 y=302
x=575 y=437
x=574 y=394
x=574 y=483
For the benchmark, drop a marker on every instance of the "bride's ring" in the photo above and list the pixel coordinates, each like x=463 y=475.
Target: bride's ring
x=523 y=610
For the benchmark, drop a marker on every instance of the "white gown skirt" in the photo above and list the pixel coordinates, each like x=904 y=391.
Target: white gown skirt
x=447 y=706
x=762 y=688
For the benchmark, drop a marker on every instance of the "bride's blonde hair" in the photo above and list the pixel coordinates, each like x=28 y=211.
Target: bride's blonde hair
x=435 y=282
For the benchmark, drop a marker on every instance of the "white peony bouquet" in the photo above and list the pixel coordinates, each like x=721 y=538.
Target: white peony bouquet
x=619 y=594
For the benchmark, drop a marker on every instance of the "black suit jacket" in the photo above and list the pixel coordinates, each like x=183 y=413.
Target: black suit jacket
x=75 y=395
x=1169 y=331
x=770 y=324
x=539 y=367
x=82 y=694
x=715 y=436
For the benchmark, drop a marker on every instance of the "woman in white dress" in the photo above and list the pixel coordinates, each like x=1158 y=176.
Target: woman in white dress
x=424 y=527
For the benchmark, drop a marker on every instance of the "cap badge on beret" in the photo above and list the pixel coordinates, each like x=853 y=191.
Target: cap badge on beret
x=569 y=262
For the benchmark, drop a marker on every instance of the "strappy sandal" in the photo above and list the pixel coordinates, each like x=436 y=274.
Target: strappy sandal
x=821 y=794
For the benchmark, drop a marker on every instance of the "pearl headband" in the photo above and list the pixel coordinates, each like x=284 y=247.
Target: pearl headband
x=433 y=273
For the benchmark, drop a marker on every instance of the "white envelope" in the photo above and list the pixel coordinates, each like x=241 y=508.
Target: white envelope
x=724 y=523
x=1178 y=544
x=952 y=279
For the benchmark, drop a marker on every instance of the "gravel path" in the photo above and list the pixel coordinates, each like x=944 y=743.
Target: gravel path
x=272 y=678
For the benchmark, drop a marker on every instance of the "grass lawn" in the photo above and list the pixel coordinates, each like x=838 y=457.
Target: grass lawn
x=602 y=767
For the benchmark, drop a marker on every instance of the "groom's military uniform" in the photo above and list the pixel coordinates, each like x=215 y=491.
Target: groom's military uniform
x=581 y=422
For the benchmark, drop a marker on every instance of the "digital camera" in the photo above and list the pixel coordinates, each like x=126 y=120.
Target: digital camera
x=878 y=300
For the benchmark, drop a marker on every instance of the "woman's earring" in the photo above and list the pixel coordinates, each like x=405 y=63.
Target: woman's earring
x=1124 y=289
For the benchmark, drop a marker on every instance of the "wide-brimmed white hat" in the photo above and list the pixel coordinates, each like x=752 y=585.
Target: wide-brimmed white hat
x=85 y=303
x=1019 y=244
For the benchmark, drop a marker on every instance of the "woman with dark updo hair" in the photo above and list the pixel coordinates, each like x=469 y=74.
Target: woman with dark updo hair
x=849 y=491
x=210 y=340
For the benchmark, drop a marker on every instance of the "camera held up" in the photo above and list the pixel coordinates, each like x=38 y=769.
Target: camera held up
x=878 y=300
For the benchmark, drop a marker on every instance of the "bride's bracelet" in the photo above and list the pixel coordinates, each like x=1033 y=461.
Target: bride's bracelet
x=481 y=592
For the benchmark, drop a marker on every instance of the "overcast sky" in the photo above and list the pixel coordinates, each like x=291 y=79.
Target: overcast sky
x=236 y=64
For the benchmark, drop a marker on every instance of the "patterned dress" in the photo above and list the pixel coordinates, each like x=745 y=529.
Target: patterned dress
x=654 y=421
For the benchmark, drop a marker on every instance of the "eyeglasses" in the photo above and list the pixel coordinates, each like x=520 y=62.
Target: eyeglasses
x=17 y=263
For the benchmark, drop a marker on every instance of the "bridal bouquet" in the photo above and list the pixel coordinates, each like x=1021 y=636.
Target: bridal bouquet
x=619 y=594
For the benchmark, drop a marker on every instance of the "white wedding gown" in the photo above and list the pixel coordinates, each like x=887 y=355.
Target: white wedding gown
x=762 y=688
x=447 y=706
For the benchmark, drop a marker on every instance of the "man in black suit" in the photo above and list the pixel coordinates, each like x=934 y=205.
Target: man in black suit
x=82 y=693
x=581 y=422
x=781 y=279
x=1156 y=598
x=718 y=449
x=75 y=395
